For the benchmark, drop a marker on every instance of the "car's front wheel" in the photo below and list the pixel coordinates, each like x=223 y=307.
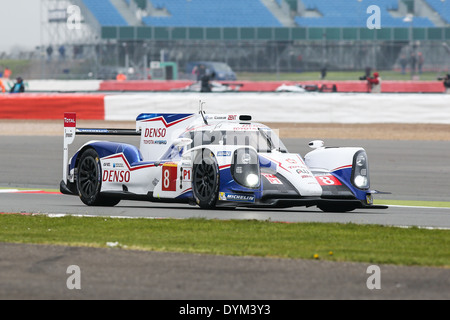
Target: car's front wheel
x=89 y=181
x=205 y=182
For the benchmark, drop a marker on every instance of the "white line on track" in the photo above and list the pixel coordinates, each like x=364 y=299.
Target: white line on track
x=61 y=215
x=421 y=207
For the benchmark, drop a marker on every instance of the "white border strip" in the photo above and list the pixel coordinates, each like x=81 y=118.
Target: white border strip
x=290 y=107
x=61 y=215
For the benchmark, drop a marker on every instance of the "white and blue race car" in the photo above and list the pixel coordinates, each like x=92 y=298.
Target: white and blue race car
x=212 y=160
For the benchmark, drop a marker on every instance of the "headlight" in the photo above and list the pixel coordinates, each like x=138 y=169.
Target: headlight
x=252 y=180
x=245 y=168
x=360 y=182
x=360 y=173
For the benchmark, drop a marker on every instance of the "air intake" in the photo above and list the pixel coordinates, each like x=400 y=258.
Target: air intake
x=244 y=117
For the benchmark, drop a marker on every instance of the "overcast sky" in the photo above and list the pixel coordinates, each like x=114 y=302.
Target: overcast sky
x=19 y=24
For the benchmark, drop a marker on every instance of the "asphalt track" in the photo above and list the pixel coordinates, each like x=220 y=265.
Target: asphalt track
x=410 y=170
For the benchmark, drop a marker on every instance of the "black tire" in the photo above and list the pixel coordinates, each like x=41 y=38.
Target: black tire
x=205 y=182
x=336 y=207
x=89 y=181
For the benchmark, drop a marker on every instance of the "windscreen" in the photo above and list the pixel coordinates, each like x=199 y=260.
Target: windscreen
x=263 y=140
x=221 y=67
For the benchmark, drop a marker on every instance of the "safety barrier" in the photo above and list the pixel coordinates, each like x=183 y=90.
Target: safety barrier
x=51 y=106
x=271 y=86
x=244 y=86
x=264 y=107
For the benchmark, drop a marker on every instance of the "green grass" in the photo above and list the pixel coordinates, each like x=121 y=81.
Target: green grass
x=332 y=76
x=347 y=242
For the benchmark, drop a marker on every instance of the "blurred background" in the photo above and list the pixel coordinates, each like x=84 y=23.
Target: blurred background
x=247 y=39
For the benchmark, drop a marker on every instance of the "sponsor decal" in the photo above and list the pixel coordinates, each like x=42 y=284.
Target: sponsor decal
x=246 y=127
x=223 y=153
x=271 y=178
x=303 y=171
x=116 y=176
x=155 y=132
x=216 y=117
x=70 y=119
x=232 y=117
x=292 y=161
x=155 y=141
x=236 y=197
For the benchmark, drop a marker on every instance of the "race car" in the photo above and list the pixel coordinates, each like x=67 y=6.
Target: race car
x=298 y=87
x=212 y=160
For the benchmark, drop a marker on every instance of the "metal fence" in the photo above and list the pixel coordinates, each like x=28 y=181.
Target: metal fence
x=105 y=59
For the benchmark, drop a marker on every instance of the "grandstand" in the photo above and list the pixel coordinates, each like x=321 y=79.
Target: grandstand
x=212 y=13
x=348 y=13
x=105 y=12
x=267 y=35
x=441 y=7
x=267 y=13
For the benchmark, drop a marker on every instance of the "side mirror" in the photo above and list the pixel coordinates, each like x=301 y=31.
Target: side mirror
x=316 y=144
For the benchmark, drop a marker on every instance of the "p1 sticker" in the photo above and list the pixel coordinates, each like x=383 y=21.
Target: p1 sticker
x=187 y=172
x=271 y=178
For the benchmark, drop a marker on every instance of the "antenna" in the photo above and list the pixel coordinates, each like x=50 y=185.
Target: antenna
x=200 y=105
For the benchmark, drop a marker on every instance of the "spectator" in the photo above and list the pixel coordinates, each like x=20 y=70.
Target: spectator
x=374 y=83
x=78 y=52
x=368 y=71
x=194 y=72
x=403 y=63
x=206 y=86
x=323 y=73
x=121 y=77
x=201 y=71
x=413 y=62
x=420 y=61
x=6 y=73
x=2 y=87
x=18 y=86
x=49 y=53
x=62 y=53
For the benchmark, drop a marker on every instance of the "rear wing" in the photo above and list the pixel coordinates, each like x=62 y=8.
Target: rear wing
x=71 y=130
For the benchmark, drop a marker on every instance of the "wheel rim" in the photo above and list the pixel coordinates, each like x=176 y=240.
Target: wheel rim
x=204 y=180
x=87 y=176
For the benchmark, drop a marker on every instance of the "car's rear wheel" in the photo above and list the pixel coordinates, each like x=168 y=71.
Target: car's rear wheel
x=89 y=181
x=205 y=183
